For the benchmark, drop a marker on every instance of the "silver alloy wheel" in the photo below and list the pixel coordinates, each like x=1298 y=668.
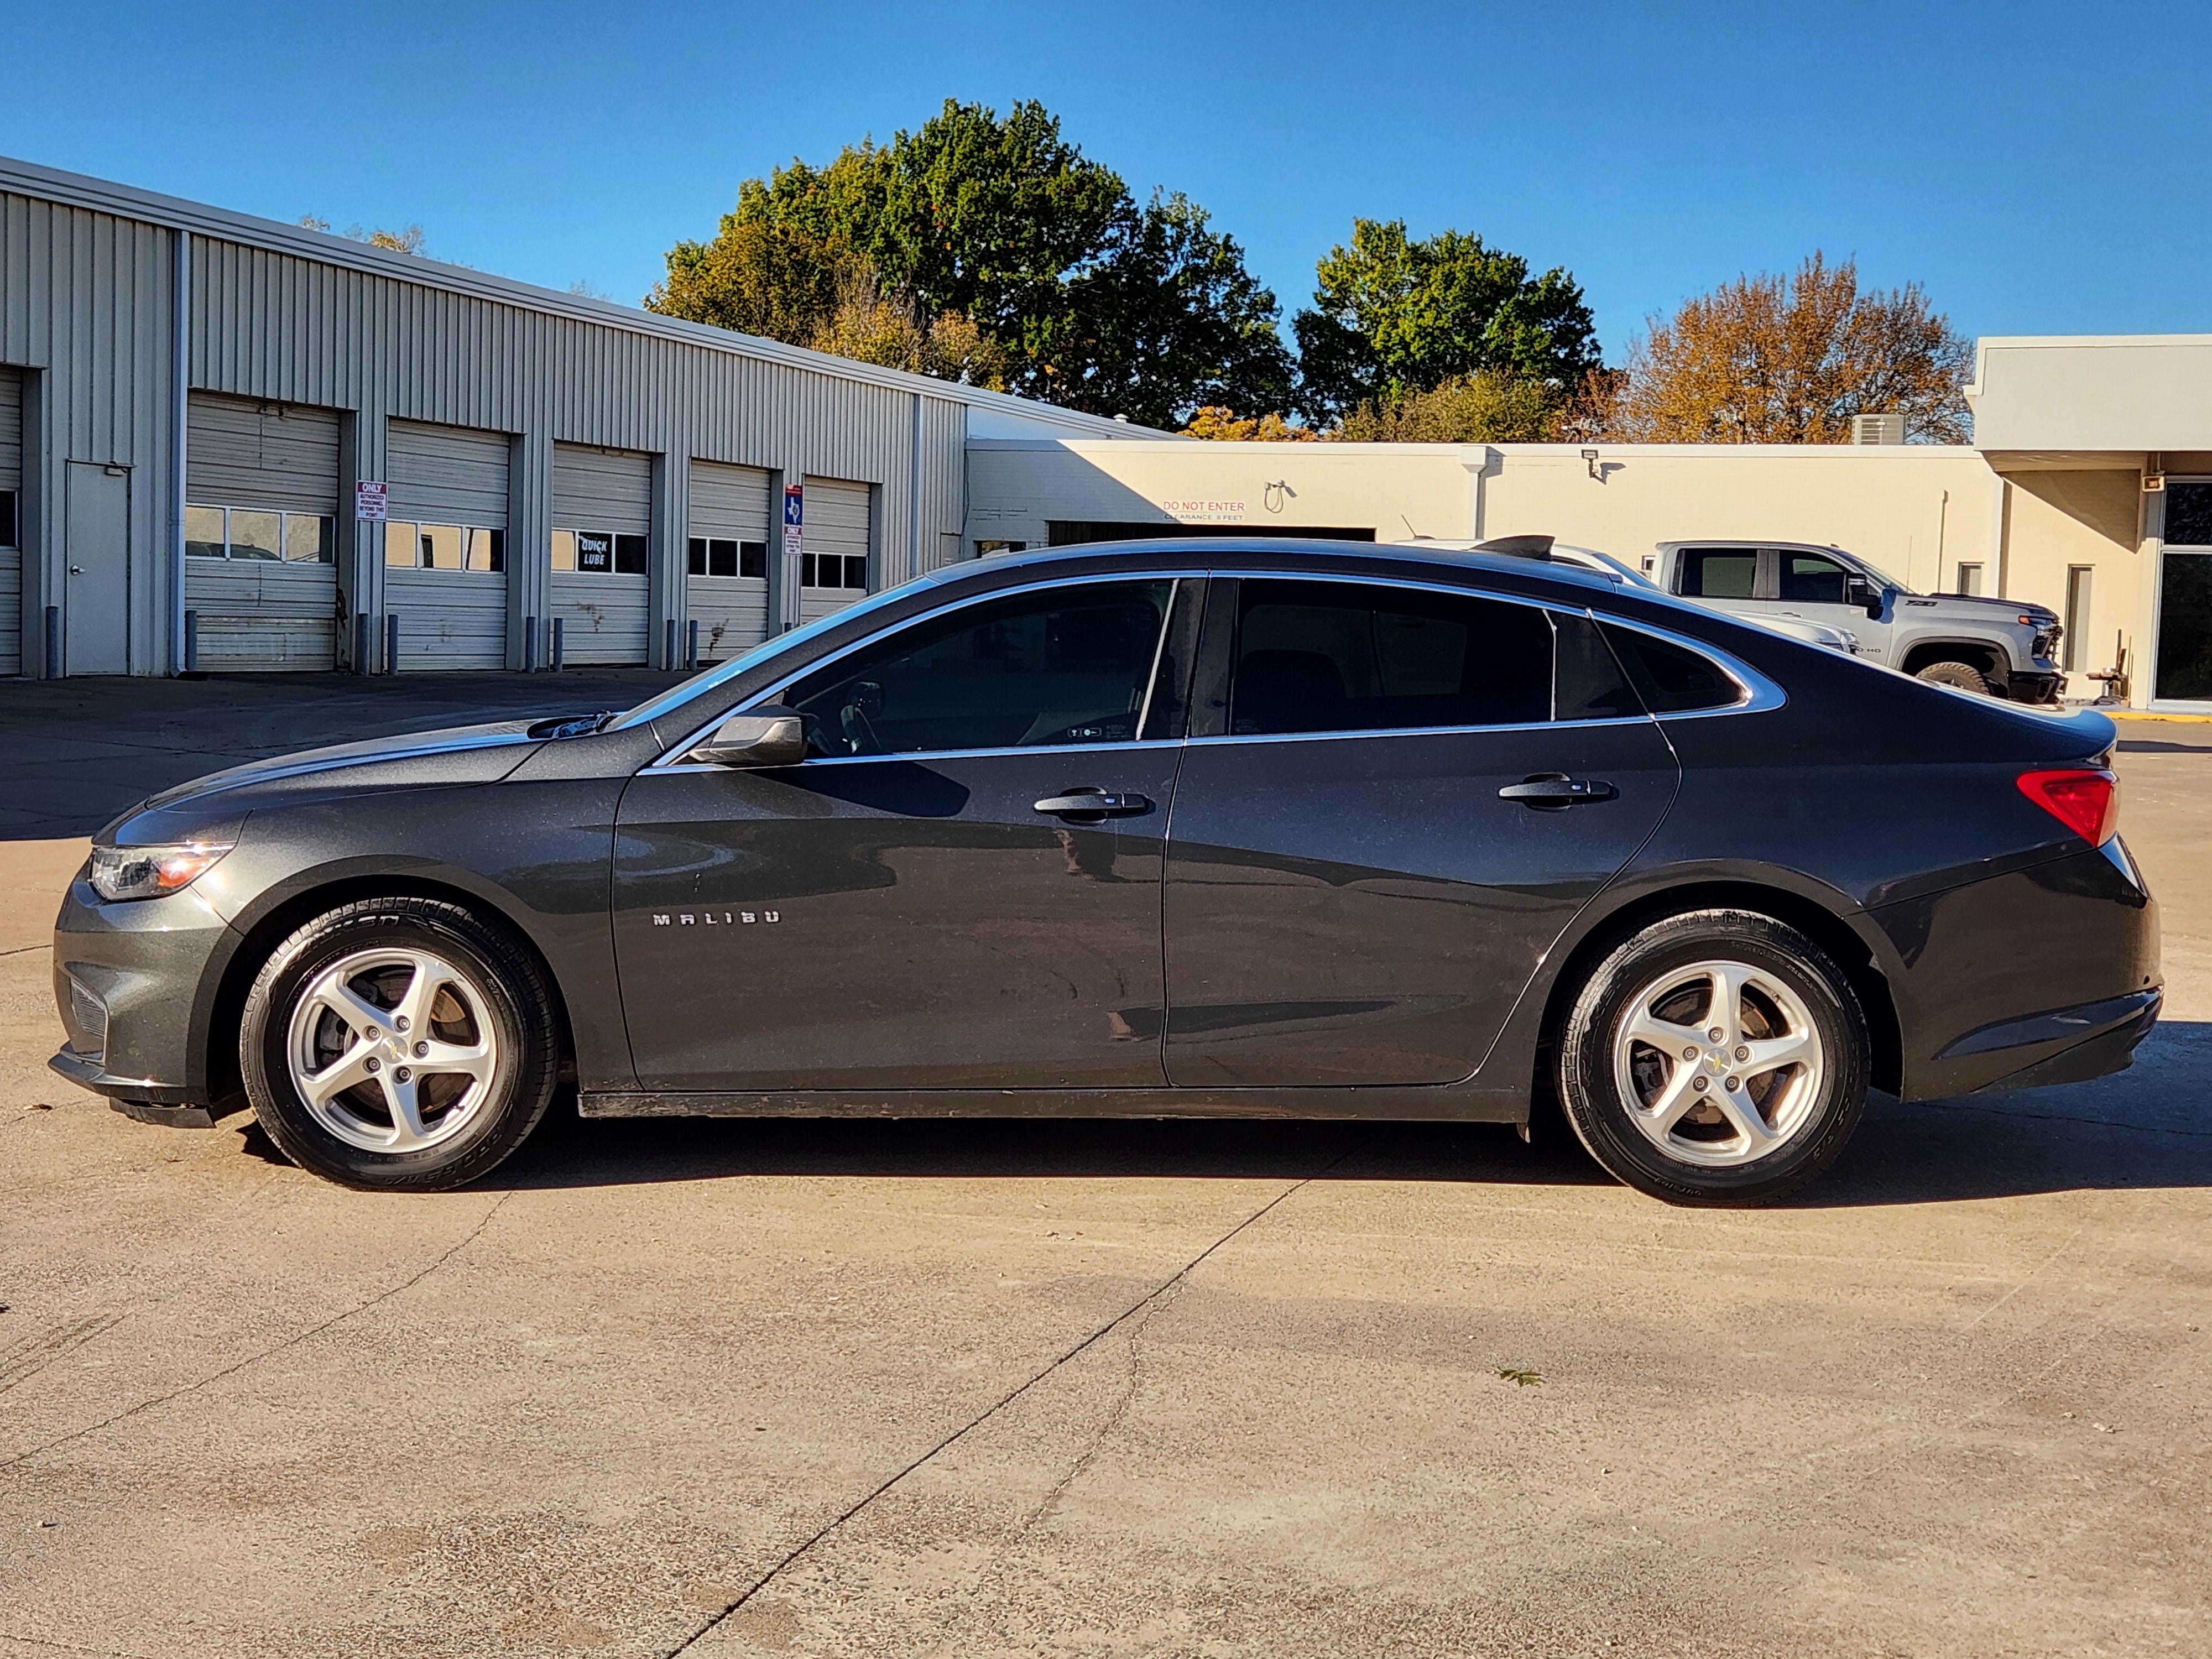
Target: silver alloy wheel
x=393 y=1050
x=1718 y=1063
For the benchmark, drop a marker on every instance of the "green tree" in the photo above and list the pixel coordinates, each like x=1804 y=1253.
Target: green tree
x=1491 y=406
x=1003 y=225
x=1393 y=316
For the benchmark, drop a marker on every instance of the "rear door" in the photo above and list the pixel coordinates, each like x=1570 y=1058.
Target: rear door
x=1394 y=801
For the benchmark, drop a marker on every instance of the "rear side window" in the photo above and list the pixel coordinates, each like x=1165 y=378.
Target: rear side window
x=1353 y=657
x=1671 y=679
x=1719 y=573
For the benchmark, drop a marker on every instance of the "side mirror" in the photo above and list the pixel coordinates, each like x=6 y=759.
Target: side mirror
x=1858 y=591
x=771 y=735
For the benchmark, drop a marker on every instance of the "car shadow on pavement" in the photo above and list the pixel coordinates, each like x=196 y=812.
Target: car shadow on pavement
x=2148 y=1128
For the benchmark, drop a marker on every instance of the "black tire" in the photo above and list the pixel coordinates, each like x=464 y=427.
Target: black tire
x=516 y=1004
x=1589 y=1086
x=1964 y=675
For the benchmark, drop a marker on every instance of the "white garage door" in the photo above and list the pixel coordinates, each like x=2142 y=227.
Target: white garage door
x=834 y=566
x=11 y=522
x=725 y=584
x=602 y=537
x=261 y=483
x=445 y=548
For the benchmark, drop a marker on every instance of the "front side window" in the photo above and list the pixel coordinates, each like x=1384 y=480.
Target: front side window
x=1316 y=656
x=1062 y=667
x=1813 y=579
x=1719 y=573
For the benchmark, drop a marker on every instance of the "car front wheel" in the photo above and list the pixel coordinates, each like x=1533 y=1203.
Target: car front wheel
x=1964 y=676
x=398 y=1044
x=1718 y=1058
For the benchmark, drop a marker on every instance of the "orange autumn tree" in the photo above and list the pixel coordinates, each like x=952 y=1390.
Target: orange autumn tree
x=1789 y=359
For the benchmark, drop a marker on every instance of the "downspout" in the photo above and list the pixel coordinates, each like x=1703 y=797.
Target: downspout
x=913 y=500
x=180 y=294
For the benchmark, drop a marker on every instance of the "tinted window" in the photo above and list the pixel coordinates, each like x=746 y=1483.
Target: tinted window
x=1346 y=657
x=1067 y=665
x=2188 y=513
x=1719 y=573
x=1813 y=579
x=1588 y=683
x=1671 y=679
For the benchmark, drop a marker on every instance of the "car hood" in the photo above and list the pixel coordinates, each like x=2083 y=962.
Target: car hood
x=457 y=754
x=1980 y=608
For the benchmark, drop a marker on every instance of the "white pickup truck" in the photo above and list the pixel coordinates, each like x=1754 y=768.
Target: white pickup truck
x=2001 y=647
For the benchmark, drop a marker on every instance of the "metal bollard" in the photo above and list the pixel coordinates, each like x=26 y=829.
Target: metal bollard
x=529 y=645
x=691 y=645
x=192 y=641
x=557 y=645
x=668 y=657
x=361 y=641
x=53 y=641
x=391 y=642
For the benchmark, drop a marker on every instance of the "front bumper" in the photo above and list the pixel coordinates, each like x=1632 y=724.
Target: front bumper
x=134 y=983
x=2037 y=685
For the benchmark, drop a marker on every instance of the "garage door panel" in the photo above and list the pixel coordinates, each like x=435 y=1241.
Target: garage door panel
x=605 y=615
x=603 y=618
x=256 y=460
x=729 y=504
x=444 y=475
x=11 y=556
x=241 y=453
x=836 y=525
x=448 y=618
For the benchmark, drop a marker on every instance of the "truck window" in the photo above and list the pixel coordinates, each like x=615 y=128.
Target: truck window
x=1718 y=572
x=1813 y=579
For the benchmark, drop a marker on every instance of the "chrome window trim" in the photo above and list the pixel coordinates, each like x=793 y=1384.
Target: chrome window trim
x=673 y=756
x=1758 y=693
x=1421 y=731
x=680 y=767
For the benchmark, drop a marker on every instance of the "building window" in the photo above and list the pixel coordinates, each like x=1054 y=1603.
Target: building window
x=444 y=547
x=834 y=570
x=2077 y=614
x=717 y=556
x=250 y=532
x=984 y=549
x=8 y=533
x=2188 y=513
x=599 y=553
x=1970 y=578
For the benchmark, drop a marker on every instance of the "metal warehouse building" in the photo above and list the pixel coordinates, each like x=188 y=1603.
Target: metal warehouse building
x=246 y=446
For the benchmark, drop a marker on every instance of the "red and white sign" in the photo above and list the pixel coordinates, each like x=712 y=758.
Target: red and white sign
x=1203 y=511
x=369 y=499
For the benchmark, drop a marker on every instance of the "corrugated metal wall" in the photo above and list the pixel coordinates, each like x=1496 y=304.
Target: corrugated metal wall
x=446 y=476
x=605 y=615
x=11 y=555
x=84 y=296
x=729 y=504
x=259 y=614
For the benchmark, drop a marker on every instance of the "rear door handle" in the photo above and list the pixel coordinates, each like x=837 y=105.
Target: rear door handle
x=1553 y=791
x=1094 y=803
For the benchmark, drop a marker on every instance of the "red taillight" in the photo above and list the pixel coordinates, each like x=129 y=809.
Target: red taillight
x=2086 y=802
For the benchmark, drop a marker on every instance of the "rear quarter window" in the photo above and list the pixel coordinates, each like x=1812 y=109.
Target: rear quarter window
x=1671 y=679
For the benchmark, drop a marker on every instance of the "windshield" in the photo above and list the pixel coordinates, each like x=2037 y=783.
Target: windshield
x=1612 y=566
x=722 y=673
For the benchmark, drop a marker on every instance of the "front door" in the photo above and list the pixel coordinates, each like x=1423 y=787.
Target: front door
x=959 y=888
x=1350 y=897
x=1815 y=586
x=96 y=607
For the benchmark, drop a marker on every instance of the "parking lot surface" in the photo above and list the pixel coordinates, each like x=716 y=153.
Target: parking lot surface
x=737 y=1389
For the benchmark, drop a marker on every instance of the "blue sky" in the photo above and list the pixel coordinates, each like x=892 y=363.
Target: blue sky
x=2040 y=168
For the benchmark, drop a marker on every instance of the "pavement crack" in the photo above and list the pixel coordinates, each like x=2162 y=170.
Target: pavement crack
x=257 y=1357
x=1112 y=1420
x=27 y=1359
x=21 y=950
x=1140 y=1306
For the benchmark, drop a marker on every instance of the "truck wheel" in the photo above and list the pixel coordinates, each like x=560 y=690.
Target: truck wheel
x=1962 y=675
x=1717 y=1058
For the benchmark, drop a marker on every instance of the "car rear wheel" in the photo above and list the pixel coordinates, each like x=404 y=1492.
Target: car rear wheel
x=398 y=1044
x=1718 y=1058
x=1964 y=675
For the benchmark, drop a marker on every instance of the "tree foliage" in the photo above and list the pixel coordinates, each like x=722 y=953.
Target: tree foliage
x=1393 y=316
x=1003 y=226
x=1492 y=407
x=1770 y=359
x=408 y=239
x=1224 y=425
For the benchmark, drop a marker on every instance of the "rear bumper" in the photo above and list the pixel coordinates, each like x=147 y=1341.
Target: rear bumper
x=2119 y=1026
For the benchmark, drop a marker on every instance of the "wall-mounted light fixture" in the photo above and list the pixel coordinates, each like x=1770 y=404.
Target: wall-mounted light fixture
x=1589 y=460
x=1273 y=496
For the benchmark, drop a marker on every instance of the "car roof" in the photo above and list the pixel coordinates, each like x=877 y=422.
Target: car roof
x=1230 y=553
x=1768 y=541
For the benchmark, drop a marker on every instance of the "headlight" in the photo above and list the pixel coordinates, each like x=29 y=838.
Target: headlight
x=143 y=873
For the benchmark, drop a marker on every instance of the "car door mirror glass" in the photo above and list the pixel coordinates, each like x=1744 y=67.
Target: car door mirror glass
x=771 y=735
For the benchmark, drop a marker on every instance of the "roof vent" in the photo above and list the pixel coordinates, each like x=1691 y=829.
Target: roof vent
x=1519 y=547
x=1878 y=429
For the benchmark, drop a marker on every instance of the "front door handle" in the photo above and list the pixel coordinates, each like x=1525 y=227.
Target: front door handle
x=1554 y=792
x=1091 y=802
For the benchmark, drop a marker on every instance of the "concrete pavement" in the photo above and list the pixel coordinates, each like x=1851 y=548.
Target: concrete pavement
x=1034 y=1388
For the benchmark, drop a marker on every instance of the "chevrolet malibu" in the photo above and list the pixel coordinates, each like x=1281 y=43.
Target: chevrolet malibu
x=1265 y=828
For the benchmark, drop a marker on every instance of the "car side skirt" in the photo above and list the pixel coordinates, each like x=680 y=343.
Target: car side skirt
x=1444 y=1104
